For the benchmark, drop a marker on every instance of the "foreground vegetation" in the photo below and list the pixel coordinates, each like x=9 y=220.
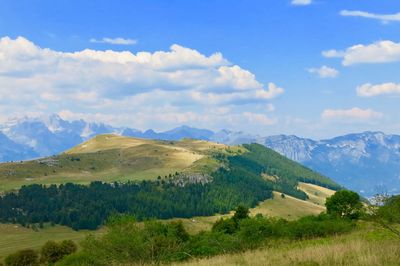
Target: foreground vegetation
x=311 y=240
x=128 y=242
x=16 y=237
x=366 y=245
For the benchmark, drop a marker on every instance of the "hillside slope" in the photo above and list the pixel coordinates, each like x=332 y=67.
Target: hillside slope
x=201 y=178
x=116 y=158
x=113 y=158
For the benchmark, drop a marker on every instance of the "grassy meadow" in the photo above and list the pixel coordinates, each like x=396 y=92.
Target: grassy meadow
x=368 y=245
x=15 y=237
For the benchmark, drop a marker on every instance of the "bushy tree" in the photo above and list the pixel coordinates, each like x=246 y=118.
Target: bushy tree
x=26 y=257
x=344 y=204
x=226 y=226
x=241 y=213
x=52 y=252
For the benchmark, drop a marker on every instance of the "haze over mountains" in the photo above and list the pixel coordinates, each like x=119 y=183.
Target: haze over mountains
x=367 y=162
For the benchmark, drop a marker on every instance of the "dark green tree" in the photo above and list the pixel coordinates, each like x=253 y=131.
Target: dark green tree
x=241 y=213
x=344 y=204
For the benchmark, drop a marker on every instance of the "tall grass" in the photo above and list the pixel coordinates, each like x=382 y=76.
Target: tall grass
x=364 y=247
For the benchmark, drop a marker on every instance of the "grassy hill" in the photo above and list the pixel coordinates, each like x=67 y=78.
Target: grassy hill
x=113 y=158
x=184 y=179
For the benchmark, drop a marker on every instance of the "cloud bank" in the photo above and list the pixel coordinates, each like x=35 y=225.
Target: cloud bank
x=180 y=84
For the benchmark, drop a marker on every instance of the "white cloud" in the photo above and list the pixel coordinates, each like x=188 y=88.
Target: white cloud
x=324 y=72
x=125 y=88
x=382 y=17
x=272 y=92
x=301 y=2
x=351 y=115
x=112 y=74
x=377 y=52
x=116 y=41
x=369 y=90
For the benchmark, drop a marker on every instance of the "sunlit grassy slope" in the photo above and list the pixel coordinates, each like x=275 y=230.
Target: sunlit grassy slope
x=368 y=245
x=15 y=237
x=113 y=158
x=316 y=194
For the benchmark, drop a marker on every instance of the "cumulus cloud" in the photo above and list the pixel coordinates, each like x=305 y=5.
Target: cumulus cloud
x=118 y=82
x=369 y=90
x=115 y=41
x=301 y=2
x=377 y=52
x=382 y=17
x=324 y=72
x=351 y=115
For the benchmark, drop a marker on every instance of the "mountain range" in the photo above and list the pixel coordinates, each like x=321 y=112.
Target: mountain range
x=367 y=162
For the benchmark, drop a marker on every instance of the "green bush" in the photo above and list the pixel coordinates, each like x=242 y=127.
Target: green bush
x=127 y=242
x=320 y=226
x=207 y=244
x=52 y=252
x=26 y=257
x=226 y=226
x=79 y=259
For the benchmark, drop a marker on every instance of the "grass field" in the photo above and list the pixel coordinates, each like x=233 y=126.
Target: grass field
x=367 y=246
x=15 y=237
x=113 y=158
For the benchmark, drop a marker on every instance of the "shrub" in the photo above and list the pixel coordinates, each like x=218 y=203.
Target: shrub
x=318 y=226
x=52 y=252
x=226 y=226
x=207 y=244
x=26 y=257
x=79 y=259
x=68 y=247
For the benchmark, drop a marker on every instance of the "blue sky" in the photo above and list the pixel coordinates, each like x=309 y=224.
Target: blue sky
x=311 y=68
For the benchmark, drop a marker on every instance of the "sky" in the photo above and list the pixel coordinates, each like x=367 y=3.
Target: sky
x=313 y=68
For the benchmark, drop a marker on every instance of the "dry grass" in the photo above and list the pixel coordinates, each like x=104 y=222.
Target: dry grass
x=364 y=247
x=113 y=158
x=316 y=193
x=289 y=207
